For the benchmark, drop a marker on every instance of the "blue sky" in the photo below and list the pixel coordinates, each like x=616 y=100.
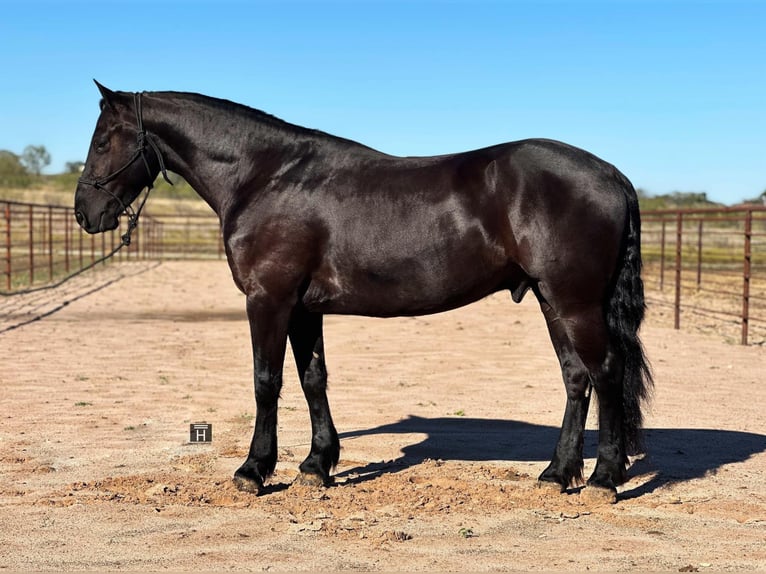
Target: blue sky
x=673 y=93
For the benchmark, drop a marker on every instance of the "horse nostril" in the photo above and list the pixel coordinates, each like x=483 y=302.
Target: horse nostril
x=80 y=217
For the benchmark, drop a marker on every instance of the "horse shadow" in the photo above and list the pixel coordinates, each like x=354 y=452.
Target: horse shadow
x=674 y=454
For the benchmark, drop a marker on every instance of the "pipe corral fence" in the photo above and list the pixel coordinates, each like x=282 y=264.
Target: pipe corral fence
x=709 y=264
x=701 y=263
x=42 y=244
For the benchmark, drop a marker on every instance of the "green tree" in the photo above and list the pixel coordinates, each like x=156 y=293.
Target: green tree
x=12 y=172
x=35 y=158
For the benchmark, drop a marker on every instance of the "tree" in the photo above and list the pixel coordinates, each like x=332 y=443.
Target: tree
x=35 y=158
x=12 y=172
x=9 y=163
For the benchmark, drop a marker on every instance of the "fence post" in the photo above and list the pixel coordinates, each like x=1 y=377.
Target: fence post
x=66 y=245
x=746 y=275
x=31 y=246
x=148 y=247
x=662 y=256
x=699 y=255
x=679 y=239
x=155 y=240
x=138 y=244
x=50 y=243
x=8 y=259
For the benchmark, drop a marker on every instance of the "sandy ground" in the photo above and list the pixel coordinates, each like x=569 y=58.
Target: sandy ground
x=445 y=423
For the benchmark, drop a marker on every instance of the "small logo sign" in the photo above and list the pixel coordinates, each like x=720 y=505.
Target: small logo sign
x=200 y=432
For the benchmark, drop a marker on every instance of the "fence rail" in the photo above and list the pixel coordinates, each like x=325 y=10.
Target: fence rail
x=41 y=244
x=196 y=236
x=707 y=263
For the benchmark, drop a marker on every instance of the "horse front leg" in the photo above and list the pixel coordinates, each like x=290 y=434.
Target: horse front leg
x=268 y=332
x=307 y=342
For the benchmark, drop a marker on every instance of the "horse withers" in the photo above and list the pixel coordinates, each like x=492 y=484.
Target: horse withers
x=316 y=224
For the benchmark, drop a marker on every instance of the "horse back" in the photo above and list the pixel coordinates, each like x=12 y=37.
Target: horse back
x=379 y=235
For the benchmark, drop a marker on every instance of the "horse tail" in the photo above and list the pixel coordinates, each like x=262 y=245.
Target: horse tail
x=624 y=314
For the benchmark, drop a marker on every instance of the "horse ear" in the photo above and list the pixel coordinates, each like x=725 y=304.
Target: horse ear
x=107 y=95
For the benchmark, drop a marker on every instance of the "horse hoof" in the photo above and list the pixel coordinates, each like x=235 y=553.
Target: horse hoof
x=246 y=484
x=310 y=479
x=550 y=487
x=596 y=495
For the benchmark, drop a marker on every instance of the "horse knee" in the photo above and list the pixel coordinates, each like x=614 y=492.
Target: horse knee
x=267 y=389
x=317 y=372
x=315 y=378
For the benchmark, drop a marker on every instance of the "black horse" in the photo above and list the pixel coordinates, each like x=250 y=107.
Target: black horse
x=316 y=224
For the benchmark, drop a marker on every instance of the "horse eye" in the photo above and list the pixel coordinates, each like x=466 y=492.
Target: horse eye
x=101 y=146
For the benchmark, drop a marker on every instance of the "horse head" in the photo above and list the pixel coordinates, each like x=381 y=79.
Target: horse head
x=122 y=160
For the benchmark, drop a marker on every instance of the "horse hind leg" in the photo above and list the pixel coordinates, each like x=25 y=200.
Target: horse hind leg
x=612 y=458
x=566 y=466
x=588 y=361
x=307 y=341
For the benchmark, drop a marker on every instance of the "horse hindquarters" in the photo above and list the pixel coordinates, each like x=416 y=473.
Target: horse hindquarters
x=598 y=346
x=628 y=380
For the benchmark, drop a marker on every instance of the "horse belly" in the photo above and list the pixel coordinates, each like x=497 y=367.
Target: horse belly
x=406 y=286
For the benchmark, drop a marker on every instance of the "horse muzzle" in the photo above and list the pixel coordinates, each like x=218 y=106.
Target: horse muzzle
x=99 y=224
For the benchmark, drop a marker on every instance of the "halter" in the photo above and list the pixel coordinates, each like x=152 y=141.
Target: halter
x=143 y=140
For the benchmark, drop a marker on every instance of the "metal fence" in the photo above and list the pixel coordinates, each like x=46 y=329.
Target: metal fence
x=196 y=236
x=703 y=263
x=41 y=245
x=709 y=264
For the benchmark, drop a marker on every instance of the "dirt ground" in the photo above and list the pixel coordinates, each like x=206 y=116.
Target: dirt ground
x=445 y=423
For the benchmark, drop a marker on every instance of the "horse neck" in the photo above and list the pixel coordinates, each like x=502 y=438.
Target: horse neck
x=220 y=148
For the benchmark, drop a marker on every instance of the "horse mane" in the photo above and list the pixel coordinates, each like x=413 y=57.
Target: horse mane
x=258 y=116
